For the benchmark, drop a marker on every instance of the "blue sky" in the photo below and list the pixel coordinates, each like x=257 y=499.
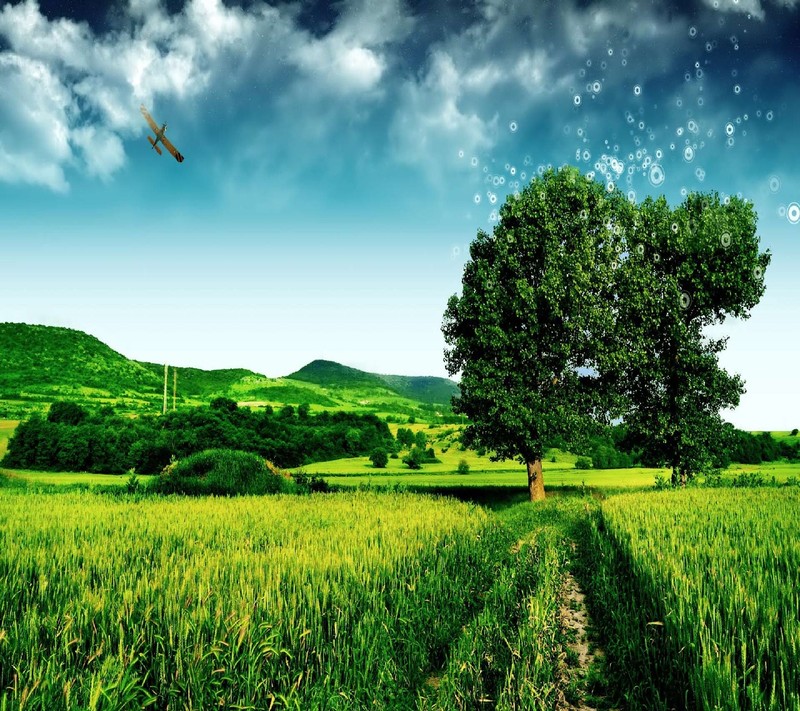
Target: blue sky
x=341 y=156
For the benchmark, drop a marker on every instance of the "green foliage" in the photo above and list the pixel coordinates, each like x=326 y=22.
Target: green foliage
x=223 y=404
x=463 y=467
x=405 y=437
x=583 y=463
x=223 y=472
x=436 y=391
x=529 y=325
x=794 y=432
x=688 y=268
x=331 y=374
x=67 y=413
x=108 y=443
x=420 y=439
x=415 y=458
x=379 y=458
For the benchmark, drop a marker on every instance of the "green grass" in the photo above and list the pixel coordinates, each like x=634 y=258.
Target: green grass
x=327 y=601
x=7 y=428
x=70 y=478
x=698 y=594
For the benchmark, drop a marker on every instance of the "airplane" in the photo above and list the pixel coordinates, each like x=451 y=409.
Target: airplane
x=160 y=136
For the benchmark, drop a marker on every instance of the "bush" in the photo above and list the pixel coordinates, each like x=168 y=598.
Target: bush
x=379 y=458
x=794 y=432
x=583 y=463
x=414 y=458
x=463 y=467
x=224 y=472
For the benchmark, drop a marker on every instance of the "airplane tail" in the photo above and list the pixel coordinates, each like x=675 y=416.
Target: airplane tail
x=152 y=143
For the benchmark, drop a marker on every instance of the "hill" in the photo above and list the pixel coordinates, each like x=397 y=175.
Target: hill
x=46 y=363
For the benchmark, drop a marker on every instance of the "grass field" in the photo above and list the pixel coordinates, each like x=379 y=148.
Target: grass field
x=7 y=428
x=699 y=590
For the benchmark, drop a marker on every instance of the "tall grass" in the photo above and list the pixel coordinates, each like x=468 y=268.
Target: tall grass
x=336 y=602
x=699 y=594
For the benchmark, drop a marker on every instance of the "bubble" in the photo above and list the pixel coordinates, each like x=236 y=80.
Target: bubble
x=610 y=186
x=781 y=210
x=512 y=127
x=684 y=300
x=492 y=198
x=793 y=213
x=699 y=100
x=476 y=198
x=700 y=174
x=730 y=129
x=769 y=115
x=637 y=90
x=610 y=52
x=493 y=216
x=656 y=175
x=461 y=154
x=675 y=227
x=584 y=215
x=512 y=170
x=579 y=132
x=699 y=73
x=709 y=46
x=588 y=62
x=576 y=99
x=725 y=239
x=590 y=175
x=474 y=161
x=692 y=32
x=737 y=89
x=587 y=156
x=688 y=154
x=496 y=180
x=687 y=76
x=679 y=103
x=640 y=249
x=659 y=154
x=656 y=257
x=523 y=175
x=603 y=65
x=509 y=238
x=456 y=251
x=758 y=272
x=679 y=130
x=596 y=86
x=730 y=142
x=641 y=125
x=632 y=197
x=624 y=62
x=774 y=183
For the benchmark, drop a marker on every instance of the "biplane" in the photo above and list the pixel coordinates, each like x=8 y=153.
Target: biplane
x=160 y=136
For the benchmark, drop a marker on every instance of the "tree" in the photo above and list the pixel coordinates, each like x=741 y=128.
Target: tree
x=463 y=467
x=794 y=432
x=303 y=410
x=420 y=439
x=67 y=413
x=379 y=458
x=415 y=458
x=688 y=269
x=528 y=330
x=223 y=404
x=405 y=437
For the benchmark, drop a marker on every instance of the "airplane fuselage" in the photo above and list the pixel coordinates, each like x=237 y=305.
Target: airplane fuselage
x=160 y=134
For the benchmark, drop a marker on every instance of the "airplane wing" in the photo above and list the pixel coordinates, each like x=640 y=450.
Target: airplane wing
x=172 y=149
x=148 y=118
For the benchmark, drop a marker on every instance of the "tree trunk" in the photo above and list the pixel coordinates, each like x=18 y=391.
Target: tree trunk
x=535 y=480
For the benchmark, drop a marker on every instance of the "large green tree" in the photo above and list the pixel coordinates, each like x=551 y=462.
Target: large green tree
x=530 y=329
x=687 y=269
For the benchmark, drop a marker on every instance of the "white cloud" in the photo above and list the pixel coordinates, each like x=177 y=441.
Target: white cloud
x=752 y=7
x=102 y=150
x=34 y=123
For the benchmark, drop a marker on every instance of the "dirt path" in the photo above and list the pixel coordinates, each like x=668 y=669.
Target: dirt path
x=584 y=660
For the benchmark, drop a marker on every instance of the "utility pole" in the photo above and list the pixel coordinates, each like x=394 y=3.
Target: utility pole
x=166 y=368
x=174 y=387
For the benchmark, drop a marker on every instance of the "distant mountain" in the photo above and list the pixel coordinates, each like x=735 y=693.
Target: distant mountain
x=40 y=364
x=331 y=374
x=425 y=388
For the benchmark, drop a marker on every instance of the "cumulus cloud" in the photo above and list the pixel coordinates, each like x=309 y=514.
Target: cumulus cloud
x=751 y=7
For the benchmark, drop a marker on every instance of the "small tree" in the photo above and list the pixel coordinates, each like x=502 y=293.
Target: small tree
x=583 y=463
x=67 y=413
x=414 y=458
x=379 y=458
x=463 y=467
x=420 y=439
x=223 y=404
x=794 y=432
x=405 y=437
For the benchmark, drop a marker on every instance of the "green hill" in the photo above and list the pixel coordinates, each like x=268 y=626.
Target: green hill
x=41 y=364
x=330 y=374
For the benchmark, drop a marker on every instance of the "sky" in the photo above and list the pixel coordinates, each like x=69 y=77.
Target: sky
x=340 y=157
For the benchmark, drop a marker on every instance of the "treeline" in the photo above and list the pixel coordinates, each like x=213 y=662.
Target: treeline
x=70 y=438
x=618 y=448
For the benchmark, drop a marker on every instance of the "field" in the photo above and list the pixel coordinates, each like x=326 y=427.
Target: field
x=709 y=617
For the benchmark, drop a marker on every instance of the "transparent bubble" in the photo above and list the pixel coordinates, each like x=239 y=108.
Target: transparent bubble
x=579 y=132
x=675 y=227
x=637 y=90
x=492 y=198
x=679 y=103
x=456 y=251
x=656 y=175
x=709 y=46
x=782 y=211
x=698 y=73
x=632 y=196
x=692 y=31
x=641 y=125
x=687 y=76
x=474 y=161
x=476 y=198
x=758 y=272
x=684 y=192
x=596 y=86
x=610 y=186
x=588 y=62
x=512 y=127
x=659 y=154
x=576 y=99
x=679 y=130
x=496 y=180
x=688 y=154
x=603 y=65
x=512 y=170
x=700 y=174
x=737 y=89
x=692 y=126
x=610 y=52
x=461 y=154
x=730 y=129
x=624 y=62
x=699 y=100
x=656 y=257
x=774 y=183
x=793 y=213
x=769 y=115
x=640 y=249
x=584 y=215
x=725 y=239
x=493 y=216
x=582 y=73
x=590 y=175
x=587 y=156
x=672 y=146
x=730 y=142
x=685 y=301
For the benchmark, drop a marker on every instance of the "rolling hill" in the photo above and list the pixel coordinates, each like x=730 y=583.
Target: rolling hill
x=41 y=364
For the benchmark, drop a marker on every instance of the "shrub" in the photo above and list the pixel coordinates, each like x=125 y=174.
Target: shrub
x=583 y=463
x=794 y=432
x=463 y=467
x=224 y=472
x=414 y=458
x=379 y=458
